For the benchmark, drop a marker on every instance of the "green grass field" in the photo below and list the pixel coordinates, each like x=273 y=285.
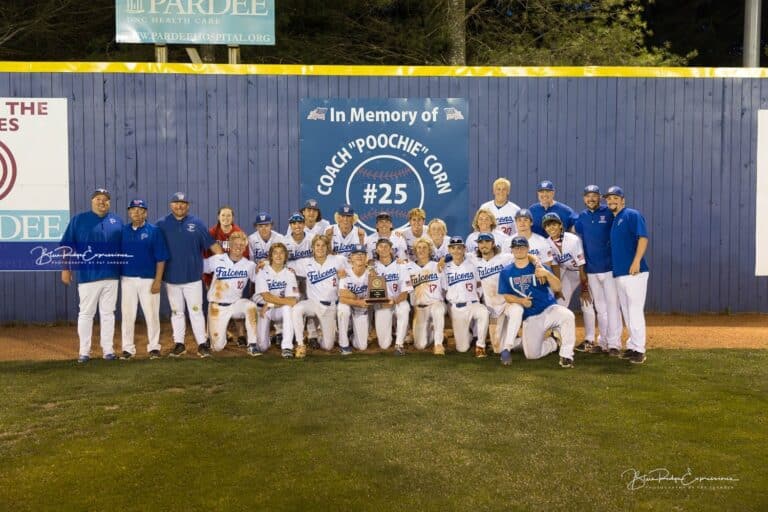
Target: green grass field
x=375 y=432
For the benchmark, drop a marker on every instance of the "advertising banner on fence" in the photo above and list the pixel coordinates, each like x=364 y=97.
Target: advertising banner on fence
x=230 y=22
x=388 y=155
x=34 y=181
x=761 y=196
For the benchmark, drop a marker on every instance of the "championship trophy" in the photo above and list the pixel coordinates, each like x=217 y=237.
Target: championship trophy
x=377 y=288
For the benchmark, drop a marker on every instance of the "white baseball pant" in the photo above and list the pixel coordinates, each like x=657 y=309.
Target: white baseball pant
x=605 y=297
x=135 y=291
x=632 y=290
x=359 y=317
x=219 y=316
x=101 y=295
x=497 y=325
x=423 y=316
x=383 y=320
x=281 y=316
x=555 y=317
x=572 y=282
x=514 y=320
x=190 y=294
x=461 y=317
x=326 y=315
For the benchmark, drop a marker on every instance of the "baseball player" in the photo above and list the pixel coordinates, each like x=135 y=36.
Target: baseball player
x=568 y=266
x=546 y=195
x=438 y=236
x=593 y=225
x=262 y=239
x=629 y=241
x=187 y=237
x=298 y=239
x=141 y=278
x=231 y=274
x=501 y=207
x=224 y=227
x=415 y=230
x=353 y=291
x=489 y=261
x=99 y=232
x=313 y=219
x=276 y=292
x=344 y=235
x=462 y=282
x=538 y=245
x=485 y=222
x=427 y=298
x=384 y=230
x=398 y=287
x=520 y=284
x=322 y=274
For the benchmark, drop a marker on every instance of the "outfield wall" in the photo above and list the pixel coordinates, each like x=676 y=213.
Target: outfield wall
x=681 y=142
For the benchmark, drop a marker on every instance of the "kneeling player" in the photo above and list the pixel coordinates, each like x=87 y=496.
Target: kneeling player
x=519 y=282
x=461 y=280
x=277 y=291
x=231 y=274
x=398 y=285
x=427 y=298
x=353 y=290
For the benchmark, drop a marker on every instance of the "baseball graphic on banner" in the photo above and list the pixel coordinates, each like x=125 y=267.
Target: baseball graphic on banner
x=8 y=167
x=387 y=155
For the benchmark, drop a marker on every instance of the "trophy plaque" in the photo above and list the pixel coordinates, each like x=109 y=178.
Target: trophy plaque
x=377 y=289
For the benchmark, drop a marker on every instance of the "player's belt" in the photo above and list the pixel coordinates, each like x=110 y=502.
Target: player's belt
x=326 y=303
x=223 y=304
x=422 y=305
x=463 y=304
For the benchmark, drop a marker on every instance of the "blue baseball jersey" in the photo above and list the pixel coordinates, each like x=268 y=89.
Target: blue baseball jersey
x=186 y=240
x=565 y=212
x=628 y=227
x=146 y=246
x=594 y=228
x=522 y=282
x=95 y=244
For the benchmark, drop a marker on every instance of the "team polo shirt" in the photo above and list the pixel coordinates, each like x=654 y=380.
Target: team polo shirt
x=146 y=246
x=628 y=227
x=96 y=244
x=565 y=212
x=186 y=239
x=594 y=228
x=522 y=282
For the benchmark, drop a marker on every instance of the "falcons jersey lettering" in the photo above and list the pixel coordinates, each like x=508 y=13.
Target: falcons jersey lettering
x=259 y=247
x=569 y=254
x=396 y=277
x=505 y=216
x=427 y=284
x=229 y=277
x=460 y=281
x=280 y=284
x=322 y=278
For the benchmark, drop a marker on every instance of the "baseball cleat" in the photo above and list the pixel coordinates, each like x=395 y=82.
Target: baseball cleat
x=178 y=350
x=614 y=352
x=253 y=350
x=479 y=351
x=346 y=351
x=399 y=350
x=506 y=357
x=313 y=344
x=597 y=349
x=154 y=354
x=242 y=341
x=637 y=358
x=83 y=359
x=626 y=354
x=110 y=357
x=301 y=351
x=566 y=362
x=287 y=353
x=439 y=350
x=203 y=350
x=584 y=346
x=126 y=355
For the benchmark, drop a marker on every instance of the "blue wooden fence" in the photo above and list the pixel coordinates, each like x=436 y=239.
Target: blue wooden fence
x=683 y=147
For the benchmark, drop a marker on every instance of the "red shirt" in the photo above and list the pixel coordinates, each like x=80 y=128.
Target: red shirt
x=223 y=238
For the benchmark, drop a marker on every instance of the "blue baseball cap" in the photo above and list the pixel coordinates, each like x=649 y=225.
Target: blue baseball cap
x=101 y=191
x=591 y=189
x=519 y=241
x=311 y=203
x=524 y=213
x=546 y=185
x=614 y=191
x=296 y=217
x=179 y=197
x=485 y=237
x=345 y=210
x=550 y=217
x=137 y=203
x=358 y=248
x=262 y=218
x=455 y=240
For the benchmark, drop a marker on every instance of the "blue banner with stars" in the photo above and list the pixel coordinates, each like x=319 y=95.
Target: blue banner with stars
x=387 y=154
